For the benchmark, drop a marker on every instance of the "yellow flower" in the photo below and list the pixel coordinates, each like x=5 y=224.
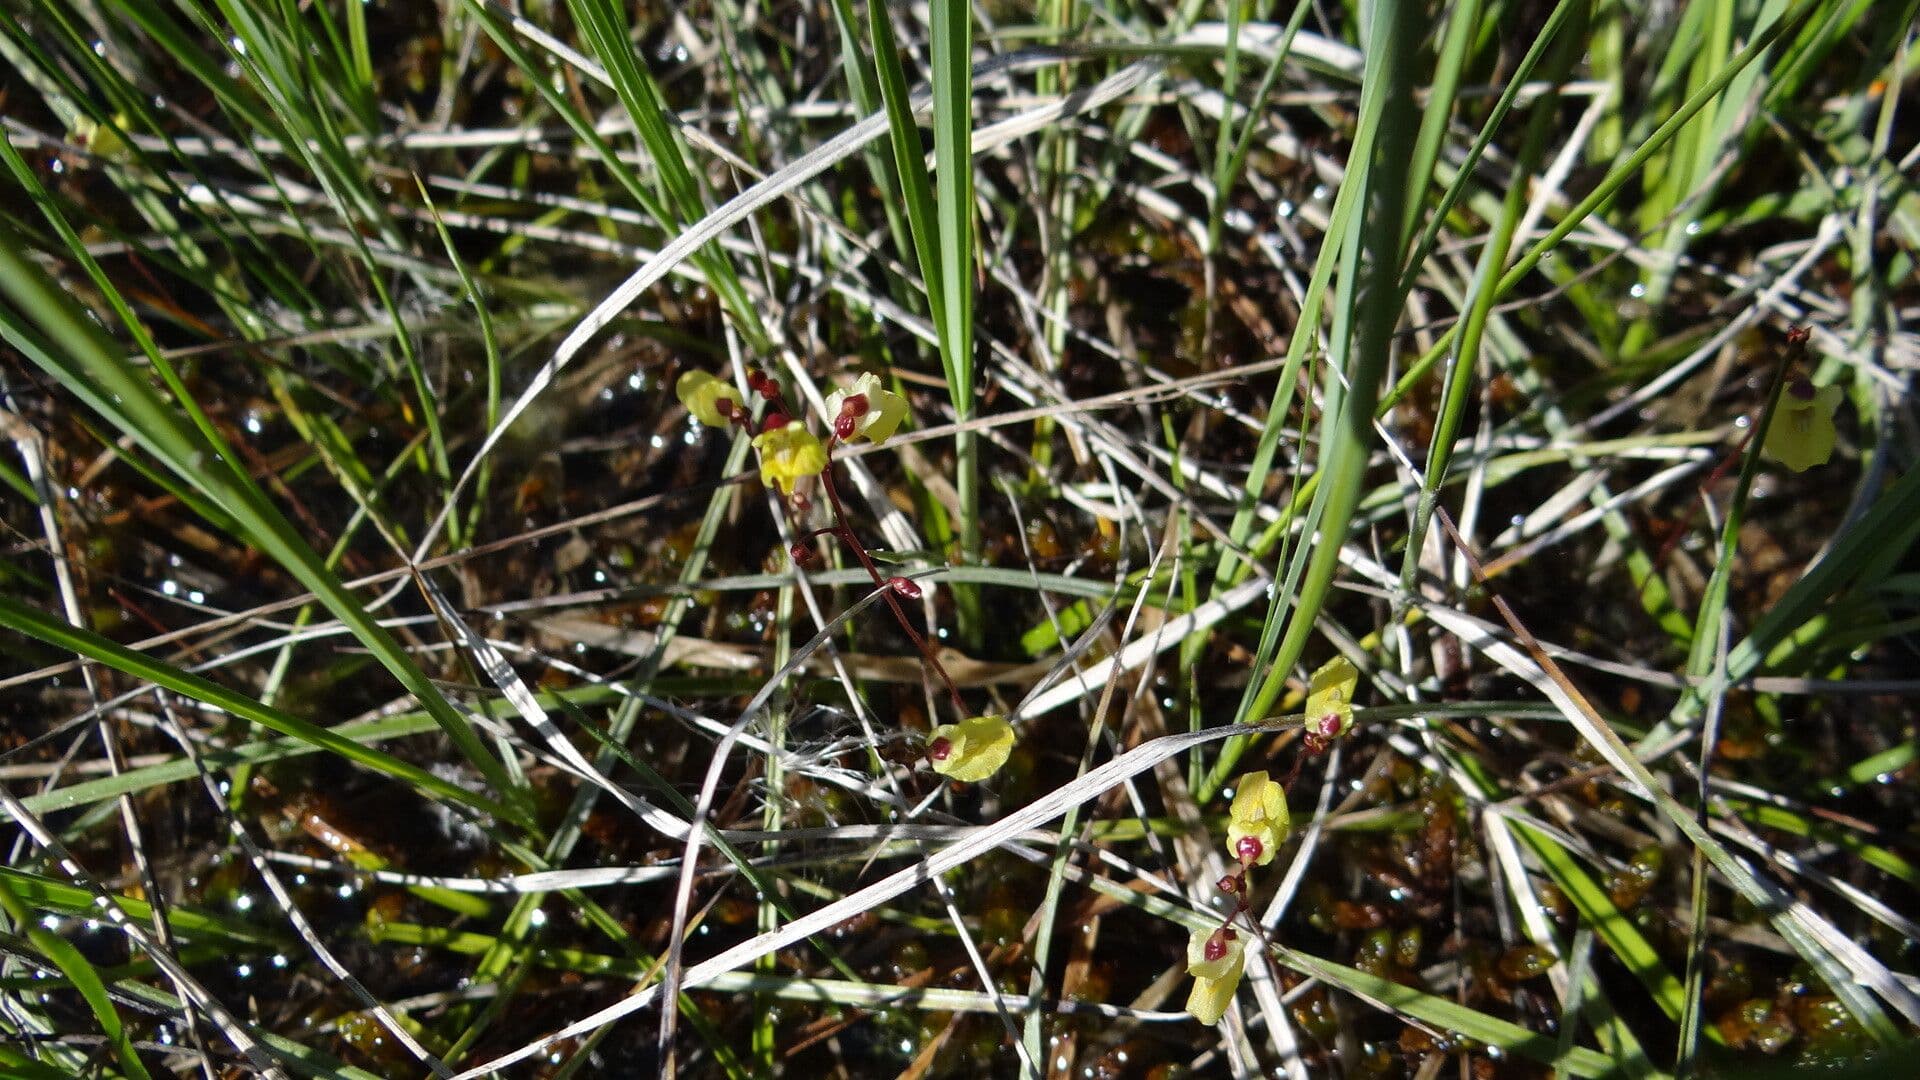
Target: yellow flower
x=875 y=411
x=101 y=140
x=702 y=394
x=1330 y=698
x=1258 y=820
x=1801 y=435
x=789 y=453
x=1216 y=959
x=971 y=750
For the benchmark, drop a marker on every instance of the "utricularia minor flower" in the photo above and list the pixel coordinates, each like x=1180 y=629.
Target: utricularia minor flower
x=711 y=400
x=1330 y=698
x=971 y=750
x=1801 y=435
x=1258 y=820
x=868 y=410
x=1216 y=959
x=789 y=452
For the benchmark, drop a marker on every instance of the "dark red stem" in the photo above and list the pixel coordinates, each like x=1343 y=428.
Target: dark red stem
x=770 y=390
x=852 y=540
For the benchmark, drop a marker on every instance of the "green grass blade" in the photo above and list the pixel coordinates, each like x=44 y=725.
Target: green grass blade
x=86 y=981
x=85 y=357
x=604 y=24
x=1463 y=362
x=26 y=620
x=1347 y=440
x=950 y=41
x=910 y=165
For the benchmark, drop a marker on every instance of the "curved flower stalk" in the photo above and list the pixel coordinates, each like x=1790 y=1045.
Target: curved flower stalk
x=974 y=748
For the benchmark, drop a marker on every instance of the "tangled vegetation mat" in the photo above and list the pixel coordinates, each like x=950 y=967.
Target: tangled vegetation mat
x=1080 y=539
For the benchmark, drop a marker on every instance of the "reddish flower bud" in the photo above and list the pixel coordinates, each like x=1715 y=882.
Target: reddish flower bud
x=938 y=749
x=1249 y=849
x=801 y=553
x=843 y=426
x=905 y=587
x=756 y=379
x=1229 y=884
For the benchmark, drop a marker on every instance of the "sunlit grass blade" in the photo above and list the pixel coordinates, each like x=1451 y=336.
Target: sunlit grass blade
x=910 y=167
x=84 y=357
x=605 y=25
x=1463 y=362
x=1365 y=313
x=1610 y=186
x=85 y=980
x=28 y=621
x=950 y=48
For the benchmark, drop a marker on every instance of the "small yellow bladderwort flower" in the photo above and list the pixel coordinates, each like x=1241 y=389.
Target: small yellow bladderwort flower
x=1258 y=820
x=101 y=140
x=1216 y=960
x=1801 y=435
x=971 y=750
x=1330 y=698
x=868 y=409
x=711 y=400
x=788 y=453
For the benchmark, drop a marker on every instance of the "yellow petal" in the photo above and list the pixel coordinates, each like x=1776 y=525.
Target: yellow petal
x=702 y=393
x=1209 y=998
x=976 y=748
x=884 y=416
x=789 y=453
x=1202 y=968
x=1247 y=800
x=1802 y=434
x=1330 y=697
x=1214 y=981
x=885 y=409
x=1259 y=811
